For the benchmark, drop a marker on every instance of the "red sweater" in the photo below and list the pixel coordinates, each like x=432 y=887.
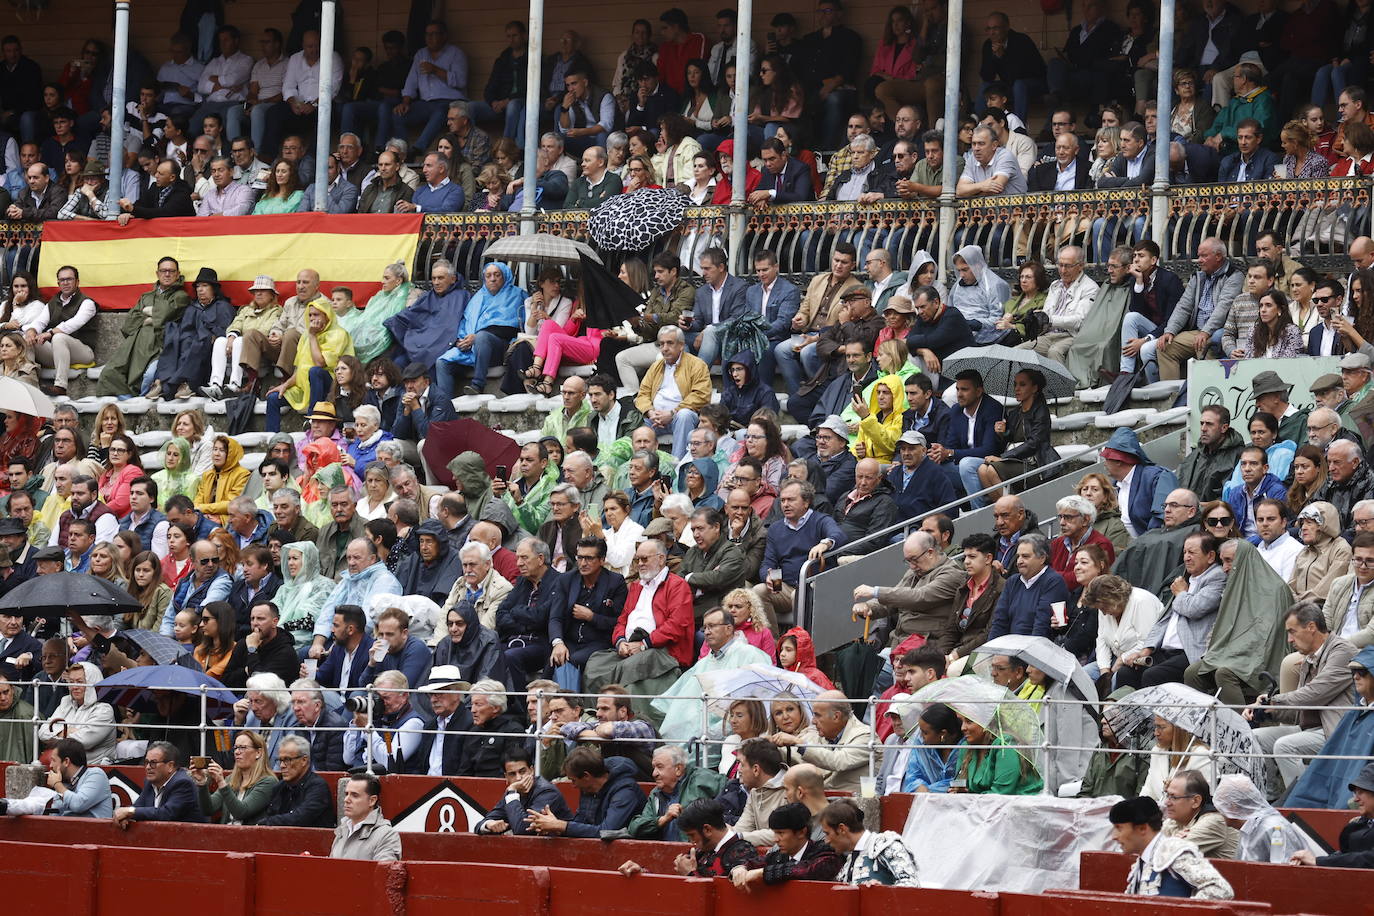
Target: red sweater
x=672 y=60
x=674 y=625
x=1061 y=560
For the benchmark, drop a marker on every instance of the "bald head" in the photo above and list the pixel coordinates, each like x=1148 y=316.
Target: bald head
x=1179 y=506
x=1322 y=426
x=1362 y=252
x=802 y=782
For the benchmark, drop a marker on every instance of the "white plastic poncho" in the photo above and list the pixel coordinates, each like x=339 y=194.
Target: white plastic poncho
x=1267 y=836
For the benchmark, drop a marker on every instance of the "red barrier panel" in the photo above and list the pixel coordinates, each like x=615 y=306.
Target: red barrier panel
x=310 y=885
x=1092 y=903
x=793 y=897
x=156 y=835
x=1323 y=823
x=136 y=882
x=492 y=890
x=583 y=893
x=885 y=901
x=42 y=880
x=1286 y=888
x=554 y=852
x=893 y=809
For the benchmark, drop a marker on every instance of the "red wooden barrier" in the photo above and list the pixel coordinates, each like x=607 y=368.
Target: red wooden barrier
x=310 y=885
x=1092 y=903
x=136 y=882
x=1286 y=888
x=585 y=893
x=796 y=897
x=492 y=890
x=42 y=880
x=885 y=901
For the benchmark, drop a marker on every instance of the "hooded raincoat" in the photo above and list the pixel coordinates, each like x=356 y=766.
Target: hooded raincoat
x=356 y=588
x=1097 y=346
x=919 y=260
x=1323 y=561
x=367 y=327
x=1266 y=835
x=220 y=485
x=879 y=437
x=478 y=654
x=142 y=330
x=981 y=302
x=323 y=472
x=710 y=473
x=334 y=343
x=91 y=722
x=1326 y=781
x=743 y=400
x=426 y=328
x=1248 y=635
x=178 y=480
x=301 y=596
x=533 y=509
x=469 y=471
x=486 y=309
x=185 y=355
x=432 y=580
x=806 y=658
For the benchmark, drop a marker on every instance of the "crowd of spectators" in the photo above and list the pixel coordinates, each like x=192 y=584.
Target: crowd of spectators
x=654 y=532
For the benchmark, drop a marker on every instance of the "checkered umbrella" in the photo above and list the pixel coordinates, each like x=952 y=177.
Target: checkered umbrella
x=540 y=248
x=161 y=649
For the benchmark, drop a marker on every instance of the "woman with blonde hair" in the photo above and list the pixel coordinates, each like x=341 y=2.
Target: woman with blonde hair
x=242 y=797
x=1175 y=750
x=1099 y=491
x=190 y=425
x=1105 y=147
x=109 y=422
x=788 y=715
x=639 y=171
x=106 y=563
x=744 y=720
x=746 y=610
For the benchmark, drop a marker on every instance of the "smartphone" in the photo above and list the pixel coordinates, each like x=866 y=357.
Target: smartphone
x=199 y=763
x=772 y=38
x=502 y=471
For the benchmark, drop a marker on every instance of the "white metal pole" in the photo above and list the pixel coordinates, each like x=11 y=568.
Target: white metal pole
x=119 y=91
x=739 y=113
x=954 y=31
x=533 y=105
x=1164 y=98
x=325 y=111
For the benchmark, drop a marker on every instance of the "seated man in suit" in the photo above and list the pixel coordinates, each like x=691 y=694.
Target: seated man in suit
x=720 y=299
x=1135 y=165
x=168 y=794
x=420 y=406
x=317 y=723
x=345 y=667
x=1067 y=171
x=778 y=300
x=167 y=196
x=785 y=180
x=439 y=753
x=1324 y=339
x=972 y=432
x=1251 y=161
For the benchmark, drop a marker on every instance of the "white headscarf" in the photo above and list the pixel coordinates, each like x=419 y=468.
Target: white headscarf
x=981 y=302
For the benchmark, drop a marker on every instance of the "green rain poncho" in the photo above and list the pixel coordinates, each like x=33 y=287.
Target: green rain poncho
x=301 y=596
x=180 y=480
x=1097 y=345
x=370 y=337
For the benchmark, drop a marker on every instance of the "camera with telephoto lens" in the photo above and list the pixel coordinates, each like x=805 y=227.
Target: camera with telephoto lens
x=360 y=703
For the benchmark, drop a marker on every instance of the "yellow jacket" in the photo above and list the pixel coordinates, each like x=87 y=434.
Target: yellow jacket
x=693 y=379
x=334 y=343
x=880 y=436
x=217 y=488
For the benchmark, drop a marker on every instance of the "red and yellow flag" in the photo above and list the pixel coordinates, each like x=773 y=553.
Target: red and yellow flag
x=118 y=263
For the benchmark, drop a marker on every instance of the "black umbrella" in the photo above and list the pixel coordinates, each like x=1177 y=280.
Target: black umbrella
x=607 y=301
x=68 y=593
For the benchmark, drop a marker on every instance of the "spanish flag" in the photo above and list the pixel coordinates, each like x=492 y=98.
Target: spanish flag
x=119 y=263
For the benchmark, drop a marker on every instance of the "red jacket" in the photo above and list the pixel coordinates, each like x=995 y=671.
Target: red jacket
x=1061 y=561
x=674 y=625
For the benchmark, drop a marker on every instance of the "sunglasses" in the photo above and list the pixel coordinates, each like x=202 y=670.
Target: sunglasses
x=1218 y=522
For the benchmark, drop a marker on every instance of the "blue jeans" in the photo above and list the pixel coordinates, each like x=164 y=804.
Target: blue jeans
x=319 y=379
x=1136 y=325
x=708 y=345
x=514 y=116
x=968 y=474
x=836 y=108
x=354 y=117
x=684 y=422
x=429 y=113
x=488 y=347
x=789 y=364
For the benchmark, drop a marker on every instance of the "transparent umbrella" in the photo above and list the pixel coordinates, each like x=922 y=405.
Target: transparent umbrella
x=991 y=706
x=763 y=682
x=1218 y=727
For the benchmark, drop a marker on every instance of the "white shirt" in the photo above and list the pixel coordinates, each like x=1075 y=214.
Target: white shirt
x=763 y=299
x=668 y=396
x=1065 y=176
x=1067 y=306
x=269 y=77
x=881 y=287
x=606 y=426
x=642 y=617
x=233 y=74
x=452 y=85
x=1123 y=499
x=78 y=321
x=186 y=73
x=1133 y=166
x=346 y=669
x=1281 y=554
x=436 y=750
x=1035 y=578
x=1352 y=613
x=972 y=414
x=716 y=292
x=302 y=81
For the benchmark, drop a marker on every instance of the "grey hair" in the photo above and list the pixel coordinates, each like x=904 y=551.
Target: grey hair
x=552 y=136
x=169 y=751
x=393 y=679
x=1362 y=505
x=482 y=550
x=493 y=690
x=100 y=622
x=1076 y=503
x=1215 y=244
x=400 y=471
x=618 y=140
x=445 y=263
x=397 y=269
x=393 y=448
x=671 y=331
x=539 y=547
x=570 y=492
x=1073 y=251
x=922 y=540
x=459 y=106
x=654 y=544
x=1038 y=543
x=301 y=745
x=983 y=128
x=863 y=143
x=679 y=501
x=369 y=411
x=310 y=685
x=243 y=504
x=290 y=495
x=578 y=456
x=377 y=469
x=673 y=752
x=1347 y=446
x=341 y=491
x=650 y=459
x=400 y=146
x=270 y=686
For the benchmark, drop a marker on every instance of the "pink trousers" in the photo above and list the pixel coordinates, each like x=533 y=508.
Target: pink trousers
x=556 y=345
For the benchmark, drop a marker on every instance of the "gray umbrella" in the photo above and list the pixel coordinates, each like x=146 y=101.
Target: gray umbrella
x=998 y=365
x=1057 y=662
x=1217 y=726
x=540 y=248
x=161 y=649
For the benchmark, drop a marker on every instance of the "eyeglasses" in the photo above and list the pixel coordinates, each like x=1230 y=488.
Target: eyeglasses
x=1218 y=522
x=292 y=759
x=244 y=747
x=587 y=558
x=1172 y=797
x=1366 y=562
x=1322 y=299
x=207 y=561
x=1177 y=505
x=1069 y=516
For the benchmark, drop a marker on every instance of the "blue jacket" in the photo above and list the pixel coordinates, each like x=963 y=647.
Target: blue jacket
x=190 y=596
x=950 y=332
x=929 y=488
x=243 y=603
x=1150 y=486
x=839 y=474
x=413 y=661
x=741 y=402
x=355 y=589
x=89 y=796
x=606 y=600
x=794 y=184
x=783 y=304
x=1314 y=342
x=512 y=808
x=146 y=529
x=460 y=721
x=179 y=802
x=415 y=425
x=610 y=809
x=1025 y=611
x=1261 y=166
x=1270 y=487
x=786 y=549
x=936 y=426
x=985 y=440
x=525 y=610
x=444 y=199
x=733 y=302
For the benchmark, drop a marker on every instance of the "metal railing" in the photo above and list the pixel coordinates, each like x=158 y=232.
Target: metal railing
x=715 y=736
